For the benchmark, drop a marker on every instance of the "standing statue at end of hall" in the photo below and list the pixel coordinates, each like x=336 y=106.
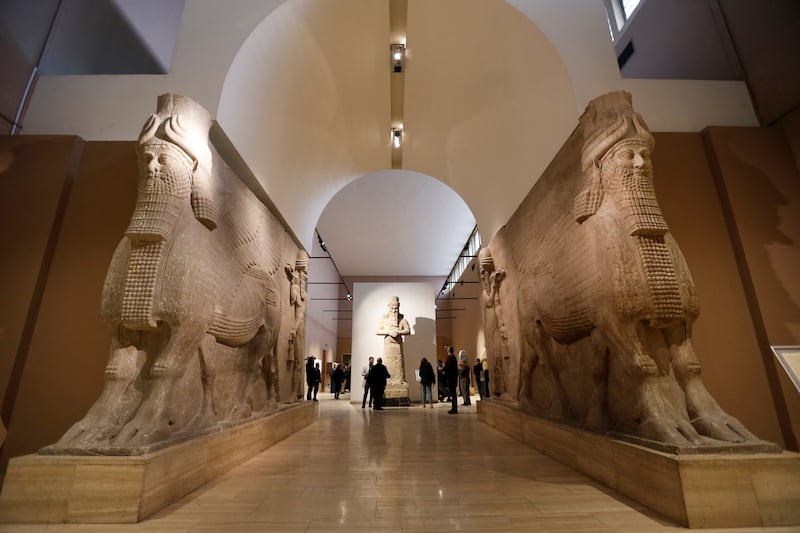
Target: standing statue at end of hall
x=392 y=327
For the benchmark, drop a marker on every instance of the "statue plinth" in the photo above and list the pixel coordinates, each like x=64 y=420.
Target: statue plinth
x=127 y=489
x=396 y=394
x=696 y=490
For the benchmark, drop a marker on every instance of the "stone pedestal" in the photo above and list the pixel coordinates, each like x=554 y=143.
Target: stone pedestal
x=396 y=402
x=695 y=490
x=109 y=489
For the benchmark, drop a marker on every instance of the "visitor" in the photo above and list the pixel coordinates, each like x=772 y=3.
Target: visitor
x=451 y=374
x=463 y=377
x=426 y=378
x=478 y=371
x=377 y=382
x=365 y=375
x=337 y=377
x=310 y=377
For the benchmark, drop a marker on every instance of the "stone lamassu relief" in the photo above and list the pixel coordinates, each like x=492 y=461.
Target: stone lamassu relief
x=192 y=298
x=298 y=301
x=494 y=324
x=606 y=302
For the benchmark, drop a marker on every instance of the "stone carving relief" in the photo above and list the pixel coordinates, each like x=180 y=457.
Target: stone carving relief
x=605 y=302
x=495 y=331
x=392 y=327
x=298 y=301
x=192 y=298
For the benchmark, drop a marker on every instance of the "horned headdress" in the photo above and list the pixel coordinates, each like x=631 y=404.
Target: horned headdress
x=607 y=120
x=185 y=123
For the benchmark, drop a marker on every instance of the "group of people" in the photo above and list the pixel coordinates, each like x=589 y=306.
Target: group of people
x=454 y=377
x=340 y=380
x=375 y=377
x=340 y=376
x=454 y=374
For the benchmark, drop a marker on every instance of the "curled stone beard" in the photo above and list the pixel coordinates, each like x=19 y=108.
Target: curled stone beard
x=158 y=205
x=639 y=206
x=633 y=187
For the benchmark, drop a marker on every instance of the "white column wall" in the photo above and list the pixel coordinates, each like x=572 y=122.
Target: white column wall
x=370 y=303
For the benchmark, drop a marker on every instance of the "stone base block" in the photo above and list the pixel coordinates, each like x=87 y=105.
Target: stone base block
x=125 y=489
x=396 y=402
x=713 y=490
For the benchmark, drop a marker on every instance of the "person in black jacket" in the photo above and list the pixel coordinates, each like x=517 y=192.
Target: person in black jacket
x=377 y=383
x=451 y=374
x=337 y=377
x=310 y=376
x=478 y=371
x=426 y=378
x=313 y=378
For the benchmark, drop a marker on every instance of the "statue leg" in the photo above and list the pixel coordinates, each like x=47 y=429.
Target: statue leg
x=205 y=416
x=544 y=391
x=118 y=400
x=156 y=418
x=706 y=415
x=269 y=368
x=639 y=392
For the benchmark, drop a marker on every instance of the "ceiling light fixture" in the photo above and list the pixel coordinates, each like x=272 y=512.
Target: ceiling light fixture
x=397 y=137
x=398 y=55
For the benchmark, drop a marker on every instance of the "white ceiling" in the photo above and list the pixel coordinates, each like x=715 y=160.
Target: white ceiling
x=390 y=223
x=395 y=223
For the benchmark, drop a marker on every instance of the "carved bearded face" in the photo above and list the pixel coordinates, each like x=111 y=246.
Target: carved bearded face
x=394 y=308
x=627 y=174
x=627 y=165
x=165 y=169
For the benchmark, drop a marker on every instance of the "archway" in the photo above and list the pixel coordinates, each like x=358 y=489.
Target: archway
x=306 y=102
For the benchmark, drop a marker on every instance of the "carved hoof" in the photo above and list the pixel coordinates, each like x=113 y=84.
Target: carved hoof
x=84 y=435
x=242 y=411
x=679 y=432
x=526 y=405
x=270 y=405
x=135 y=434
x=722 y=427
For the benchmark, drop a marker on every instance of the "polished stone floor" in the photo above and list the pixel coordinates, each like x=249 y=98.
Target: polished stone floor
x=398 y=470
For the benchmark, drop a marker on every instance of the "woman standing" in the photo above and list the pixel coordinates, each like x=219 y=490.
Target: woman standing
x=427 y=378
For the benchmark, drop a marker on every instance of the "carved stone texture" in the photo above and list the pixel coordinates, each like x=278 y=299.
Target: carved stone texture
x=393 y=326
x=605 y=302
x=192 y=298
x=298 y=301
x=494 y=324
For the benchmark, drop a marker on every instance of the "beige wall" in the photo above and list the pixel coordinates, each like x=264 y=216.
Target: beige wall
x=67 y=351
x=759 y=185
x=724 y=337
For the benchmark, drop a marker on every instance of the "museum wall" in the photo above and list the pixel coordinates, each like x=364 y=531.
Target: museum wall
x=61 y=347
x=759 y=184
x=723 y=336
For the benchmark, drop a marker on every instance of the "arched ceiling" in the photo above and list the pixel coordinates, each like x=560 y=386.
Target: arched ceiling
x=396 y=222
x=306 y=101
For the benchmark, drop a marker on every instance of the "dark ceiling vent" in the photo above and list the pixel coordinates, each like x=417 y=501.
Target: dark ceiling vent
x=625 y=55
